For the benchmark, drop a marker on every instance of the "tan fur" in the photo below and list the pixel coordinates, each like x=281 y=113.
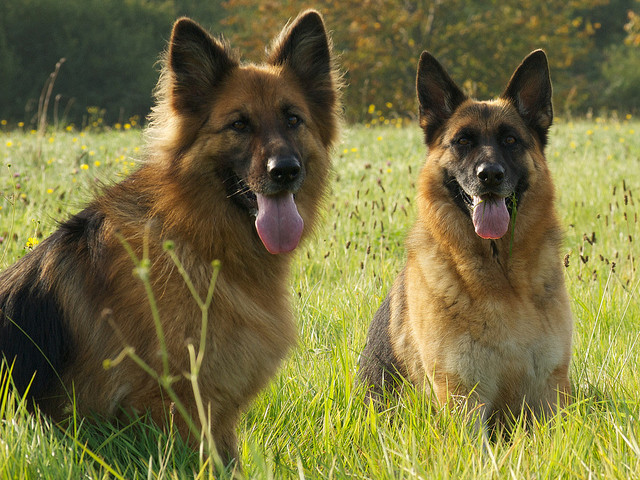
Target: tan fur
x=500 y=324
x=178 y=195
x=485 y=321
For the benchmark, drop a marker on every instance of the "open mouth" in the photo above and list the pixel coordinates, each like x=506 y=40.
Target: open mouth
x=277 y=221
x=490 y=216
x=490 y=213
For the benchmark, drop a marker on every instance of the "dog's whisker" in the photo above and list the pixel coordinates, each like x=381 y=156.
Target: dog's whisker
x=240 y=191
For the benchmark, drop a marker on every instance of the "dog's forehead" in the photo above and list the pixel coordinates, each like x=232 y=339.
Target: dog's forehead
x=256 y=88
x=487 y=116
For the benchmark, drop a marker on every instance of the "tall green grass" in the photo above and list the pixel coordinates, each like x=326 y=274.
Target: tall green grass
x=310 y=422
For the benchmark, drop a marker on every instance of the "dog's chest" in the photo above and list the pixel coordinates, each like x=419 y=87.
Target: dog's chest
x=512 y=357
x=249 y=338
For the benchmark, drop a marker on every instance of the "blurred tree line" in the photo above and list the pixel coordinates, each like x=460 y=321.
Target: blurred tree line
x=111 y=47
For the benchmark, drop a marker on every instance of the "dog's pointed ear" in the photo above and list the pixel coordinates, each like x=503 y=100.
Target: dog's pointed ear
x=529 y=90
x=438 y=95
x=198 y=62
x=304 y=47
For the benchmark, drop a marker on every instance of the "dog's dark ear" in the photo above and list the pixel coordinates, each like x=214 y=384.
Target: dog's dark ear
x=438 y=95
x=304 y=47
x=198 y=62
x=529 y=90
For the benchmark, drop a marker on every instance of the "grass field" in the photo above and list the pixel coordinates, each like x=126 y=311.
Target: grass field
x=311 y=422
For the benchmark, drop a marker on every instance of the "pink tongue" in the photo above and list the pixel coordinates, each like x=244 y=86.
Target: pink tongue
x=490 y=217
x=279 y=224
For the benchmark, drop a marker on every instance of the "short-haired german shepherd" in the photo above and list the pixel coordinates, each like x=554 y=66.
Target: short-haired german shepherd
x=237 y=167
x=480 y=312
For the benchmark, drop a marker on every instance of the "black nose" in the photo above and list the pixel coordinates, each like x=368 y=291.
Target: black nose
x=490 y=174
x=283 y=169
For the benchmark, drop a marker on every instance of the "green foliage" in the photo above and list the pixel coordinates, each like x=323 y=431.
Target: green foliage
x=479 y=42
x=621 y=72
x=110 y=50
x=111 y=47
x=310 y=422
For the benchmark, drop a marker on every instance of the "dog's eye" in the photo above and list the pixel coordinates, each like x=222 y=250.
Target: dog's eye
x=240 y=125
x=293 y=121
x=510 y=140
x=463 y=141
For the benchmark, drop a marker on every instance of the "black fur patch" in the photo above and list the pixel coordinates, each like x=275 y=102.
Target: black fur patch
x=379 y=366
x=32 y=334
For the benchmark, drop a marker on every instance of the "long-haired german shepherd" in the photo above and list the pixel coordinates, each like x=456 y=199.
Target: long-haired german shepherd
x=480 y=312
x=237 y=167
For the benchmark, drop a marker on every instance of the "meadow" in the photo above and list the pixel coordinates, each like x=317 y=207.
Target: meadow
x=311 y=421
